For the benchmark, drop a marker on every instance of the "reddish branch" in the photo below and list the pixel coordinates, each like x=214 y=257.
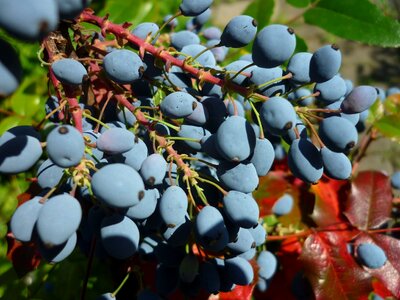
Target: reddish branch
x=159 y=52
x=73 y=103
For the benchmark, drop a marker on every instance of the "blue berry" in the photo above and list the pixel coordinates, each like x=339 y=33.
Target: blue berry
x=29 y=20
x=118 y=185
x=58 y=219
x=325 y=63
x=24 y=219
x=359 y=99
x=143 y=30
x=178 y=105
x=115 y=140
x=238 y=176
x=239 y=32
x=331 y=90
x=336 y=165
x=267 y=263
x=183 y=38
x=273 y=45
x=283 y=205
x=278 y=115
x=338 y=134
x=65 y=146
x=239 y=270
x=299 y=66
x=58 y=253
x=192 y=8
x=173 y=205
x=370 y=255
x=19 y=154
x=10 y=69
x=69 y=71
x=241 y=209
x=153 y=169
x=395 y=180
x=69 y=9
x=210 y=229
x=123 y=66
x=305 y=160
x=235 y=139
x=119 y=236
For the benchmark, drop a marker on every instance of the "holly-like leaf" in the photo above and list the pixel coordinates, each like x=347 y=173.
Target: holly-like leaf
x=328 y=193
x=358 y=20
x=389 y=273
x=369 y=204
x=331 y=270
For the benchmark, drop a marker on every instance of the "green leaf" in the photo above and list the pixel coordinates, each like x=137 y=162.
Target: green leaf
x=261 y=10
x=299 y=3
x=357 y=20
x=133 y=11
x=389 y=126
x=301 y=45
x=8 y=123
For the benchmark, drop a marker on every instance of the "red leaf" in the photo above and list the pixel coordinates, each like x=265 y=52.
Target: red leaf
x=380 y=289
x=389 y=274
x=331 y=270
x=369 y=204
x=24 y=257
x=239 y=292
x=327 y=206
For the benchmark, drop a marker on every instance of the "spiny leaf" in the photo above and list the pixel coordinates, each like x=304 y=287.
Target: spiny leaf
x=327 y=206
x=331 y=270
x=389 y=273
x=369 y=204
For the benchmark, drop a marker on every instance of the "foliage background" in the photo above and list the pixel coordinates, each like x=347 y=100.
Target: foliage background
x=363 y=22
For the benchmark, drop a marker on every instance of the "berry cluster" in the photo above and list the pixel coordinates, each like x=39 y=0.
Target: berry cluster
x=153 y=146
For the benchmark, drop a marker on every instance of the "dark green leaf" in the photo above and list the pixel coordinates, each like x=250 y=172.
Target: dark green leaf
x=261 y=10
x=357 y=20
x=299 y=3
x=301 y=45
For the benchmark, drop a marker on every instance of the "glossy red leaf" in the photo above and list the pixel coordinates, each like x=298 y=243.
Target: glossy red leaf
x=369 y=204
x=327 y=210
x=380 y=289
x=239 y=292
x=331 y=270
x=389 y=273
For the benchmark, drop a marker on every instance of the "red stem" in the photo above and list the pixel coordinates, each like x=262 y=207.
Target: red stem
x=121 y=31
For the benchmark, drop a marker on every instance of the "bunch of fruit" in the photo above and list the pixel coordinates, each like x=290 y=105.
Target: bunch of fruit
x=152 y=146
